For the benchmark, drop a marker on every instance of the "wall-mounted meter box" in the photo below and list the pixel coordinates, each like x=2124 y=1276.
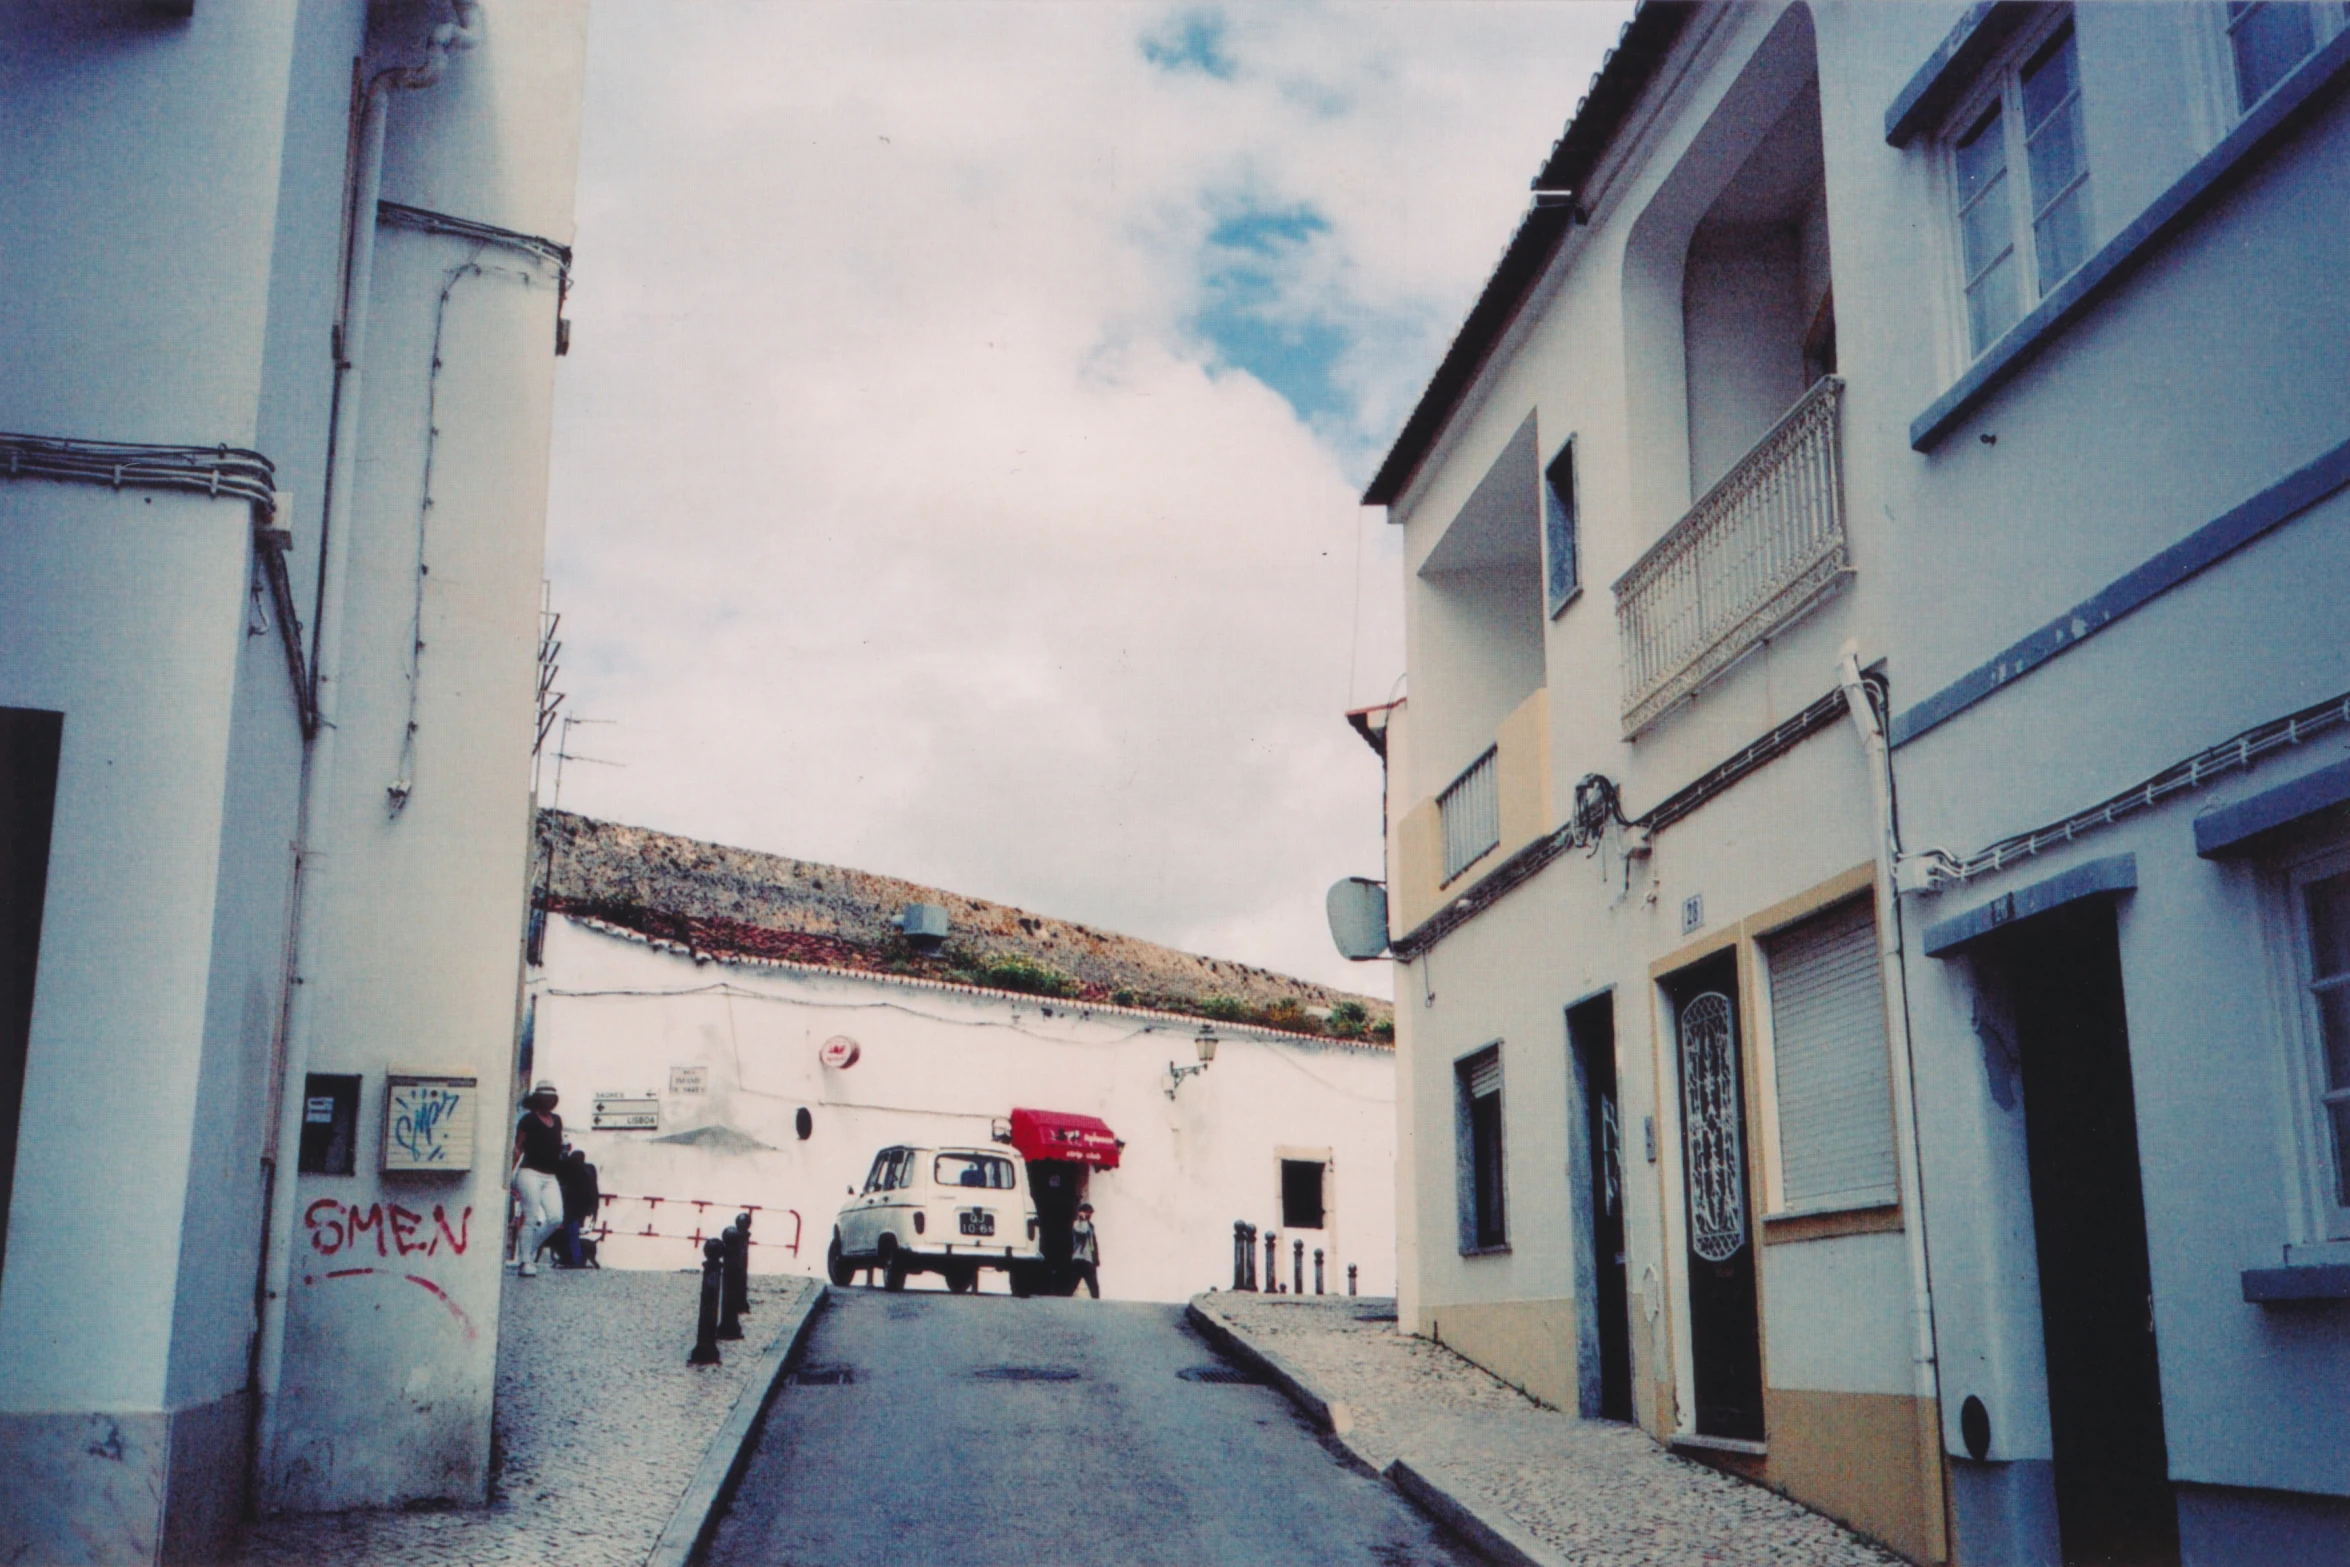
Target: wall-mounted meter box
x=428 y=1123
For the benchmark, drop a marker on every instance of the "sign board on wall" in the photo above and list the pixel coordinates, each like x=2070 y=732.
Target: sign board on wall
x=840 y=1052
x=428 y=1123
x=688 y=1079
x=627 y=1112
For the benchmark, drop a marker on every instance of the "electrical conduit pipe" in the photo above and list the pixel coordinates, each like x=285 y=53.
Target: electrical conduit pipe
x=1924 y=1357
x=318 y=754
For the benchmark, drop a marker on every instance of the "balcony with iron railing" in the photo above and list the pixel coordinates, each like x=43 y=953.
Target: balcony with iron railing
x=1758 y=550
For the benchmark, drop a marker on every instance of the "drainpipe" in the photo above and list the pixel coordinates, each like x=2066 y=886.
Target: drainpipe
x=1871 y=723
x=326 y=661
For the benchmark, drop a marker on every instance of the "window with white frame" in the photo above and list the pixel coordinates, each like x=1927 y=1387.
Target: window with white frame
x=2019 y=163
x=2266 y=39
x=1831 y=1063
x=2321 y=913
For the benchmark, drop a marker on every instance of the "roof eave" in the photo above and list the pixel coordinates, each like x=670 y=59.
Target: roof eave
x=1623 y=76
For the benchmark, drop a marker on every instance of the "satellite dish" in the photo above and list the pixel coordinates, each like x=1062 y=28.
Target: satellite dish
x=1358 y=917
x=839 y=1051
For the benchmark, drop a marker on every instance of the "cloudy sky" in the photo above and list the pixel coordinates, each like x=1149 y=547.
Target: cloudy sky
x=956 y=466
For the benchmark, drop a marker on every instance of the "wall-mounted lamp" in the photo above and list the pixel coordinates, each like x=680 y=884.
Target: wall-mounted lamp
x=1205 y=1042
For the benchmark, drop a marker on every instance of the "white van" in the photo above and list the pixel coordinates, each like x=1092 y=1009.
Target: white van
x=949 y=1211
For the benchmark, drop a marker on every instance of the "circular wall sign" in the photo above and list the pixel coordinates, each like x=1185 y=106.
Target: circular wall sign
x=839 y=1051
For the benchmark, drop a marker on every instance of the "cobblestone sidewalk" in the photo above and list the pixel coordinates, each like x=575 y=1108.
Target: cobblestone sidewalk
x=1595 y=1492
x=600 y=1426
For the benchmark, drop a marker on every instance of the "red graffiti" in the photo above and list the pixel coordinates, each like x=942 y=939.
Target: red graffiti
x=336 y=1225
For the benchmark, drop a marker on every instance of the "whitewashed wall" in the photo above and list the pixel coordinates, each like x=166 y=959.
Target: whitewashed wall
x=937 y=1065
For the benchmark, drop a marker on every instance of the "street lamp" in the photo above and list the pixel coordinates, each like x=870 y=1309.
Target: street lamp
x=1204 y=1042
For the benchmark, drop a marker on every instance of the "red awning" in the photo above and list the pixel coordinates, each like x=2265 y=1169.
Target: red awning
x=1054 y=1134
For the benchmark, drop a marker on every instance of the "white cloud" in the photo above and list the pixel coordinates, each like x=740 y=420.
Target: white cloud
x=903 y=518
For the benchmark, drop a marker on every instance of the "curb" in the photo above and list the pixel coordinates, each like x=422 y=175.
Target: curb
x=1493 y=1535
x=1334 y=1419
x=729 y=1452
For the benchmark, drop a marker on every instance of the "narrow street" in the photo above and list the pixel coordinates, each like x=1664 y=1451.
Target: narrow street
x=953 y=1429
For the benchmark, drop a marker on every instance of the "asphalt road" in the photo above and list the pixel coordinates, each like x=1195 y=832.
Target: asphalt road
x=983 y=1431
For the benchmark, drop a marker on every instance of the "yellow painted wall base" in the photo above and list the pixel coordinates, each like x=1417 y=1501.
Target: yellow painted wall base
x=1530 y=1344
x=1862 y=1459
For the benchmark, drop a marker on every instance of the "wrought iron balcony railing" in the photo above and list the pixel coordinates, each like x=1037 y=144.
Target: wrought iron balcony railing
x=1470 y=811
x=1760 y=548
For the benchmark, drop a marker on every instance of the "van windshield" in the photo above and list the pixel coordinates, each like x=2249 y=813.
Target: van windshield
x=973 y=1169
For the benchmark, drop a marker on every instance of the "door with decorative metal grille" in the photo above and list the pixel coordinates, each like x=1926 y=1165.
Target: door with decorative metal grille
x=1725 y=1334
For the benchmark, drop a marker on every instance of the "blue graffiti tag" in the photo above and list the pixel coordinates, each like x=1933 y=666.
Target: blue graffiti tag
x=420 y=1116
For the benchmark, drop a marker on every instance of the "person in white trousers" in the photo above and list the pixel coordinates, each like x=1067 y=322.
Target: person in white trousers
x=538 y=1158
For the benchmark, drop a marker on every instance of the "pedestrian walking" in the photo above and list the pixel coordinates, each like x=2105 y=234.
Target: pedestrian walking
x=1085 y=1252
x=581 y=1197
x=538 y=1167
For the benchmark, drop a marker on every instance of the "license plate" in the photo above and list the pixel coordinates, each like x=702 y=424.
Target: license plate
x=978 y=1221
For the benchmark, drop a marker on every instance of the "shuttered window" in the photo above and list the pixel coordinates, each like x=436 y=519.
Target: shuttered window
x=1828 y=1044
x=1477 y=1099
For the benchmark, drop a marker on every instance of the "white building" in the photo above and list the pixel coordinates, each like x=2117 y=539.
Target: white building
x=1949 y=400
x=751 y=1030
x=279 y=299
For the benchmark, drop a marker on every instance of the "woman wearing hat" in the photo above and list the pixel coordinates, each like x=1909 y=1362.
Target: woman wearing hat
x=538 y=1164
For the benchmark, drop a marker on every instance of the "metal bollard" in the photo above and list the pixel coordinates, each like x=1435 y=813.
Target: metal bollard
x=730 y=1251
x=1317 y=1270
x=738 y=1268
x=1297 y=1267
x=1350 y=1278
x=1239 y=1259
x=1249 y=1248
x=706 y=1325
x=1272 y=1262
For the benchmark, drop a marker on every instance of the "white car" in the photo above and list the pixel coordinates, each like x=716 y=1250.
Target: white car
x=949 y=1211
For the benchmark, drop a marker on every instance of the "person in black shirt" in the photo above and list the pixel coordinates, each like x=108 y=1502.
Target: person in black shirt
x=580 y=1200
x=538 y=1162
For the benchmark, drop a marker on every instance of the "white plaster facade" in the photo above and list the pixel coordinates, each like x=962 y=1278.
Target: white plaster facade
x=174 y=241
x=2103 y=545
x=942 y=1064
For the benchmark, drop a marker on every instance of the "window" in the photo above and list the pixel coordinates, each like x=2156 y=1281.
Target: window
x=1470 y=812
x=2267 y=38
x=972 y=1169
x=2321 y=897
x=1301 y=1194
x=1484 y=1214
x=892 y=1168
x=1562 y=577
x=2020 y=169
x=1828 y=1050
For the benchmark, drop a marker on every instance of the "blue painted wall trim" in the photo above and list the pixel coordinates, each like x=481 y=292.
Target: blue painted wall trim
x=2278 y=113
x=2232 y=829
x=2114 y=873
x=2329 y=1281
x=1954 y=66
x=2208 y=545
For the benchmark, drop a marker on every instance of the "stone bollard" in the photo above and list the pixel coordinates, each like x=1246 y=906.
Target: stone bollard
x=738 y=1268
x=1350 y=1278
x=1249 y=1251
x=1239 y=1254
x=706 y=1324
x=1317 y=1270
x=1297 y=1260
x=1272 y=1262
x=730 y=1251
